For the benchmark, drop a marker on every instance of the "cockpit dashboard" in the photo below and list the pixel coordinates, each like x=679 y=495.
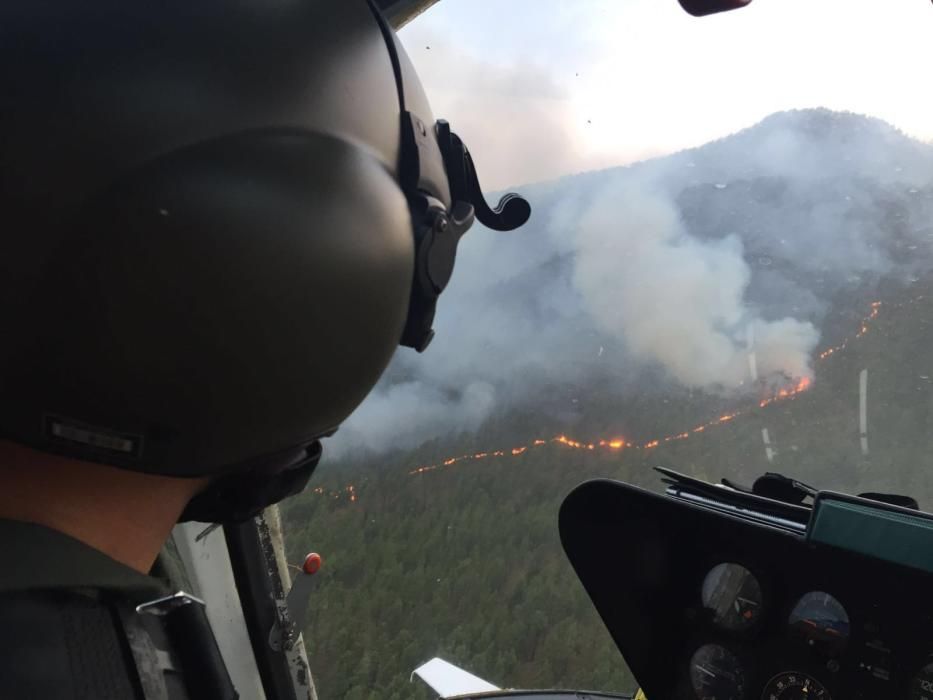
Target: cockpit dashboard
x=746 y=598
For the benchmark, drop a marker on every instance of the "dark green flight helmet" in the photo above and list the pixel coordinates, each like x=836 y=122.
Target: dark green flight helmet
x=219 y=219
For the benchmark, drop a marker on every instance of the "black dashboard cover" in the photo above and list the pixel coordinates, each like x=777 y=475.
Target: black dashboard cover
x=642 y=558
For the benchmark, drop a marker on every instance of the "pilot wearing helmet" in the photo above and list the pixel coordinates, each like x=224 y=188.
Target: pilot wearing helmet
x=219 y=221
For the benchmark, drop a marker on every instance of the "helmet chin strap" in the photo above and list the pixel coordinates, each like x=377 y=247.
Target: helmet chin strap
x=434 y=162
x=437 y=229
x=245 y=494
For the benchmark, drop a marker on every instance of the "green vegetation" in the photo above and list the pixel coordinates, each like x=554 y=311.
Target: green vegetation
x=464 y=564
x=464 y=561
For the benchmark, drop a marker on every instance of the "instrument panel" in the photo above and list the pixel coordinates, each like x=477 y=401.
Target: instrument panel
x=704 y=605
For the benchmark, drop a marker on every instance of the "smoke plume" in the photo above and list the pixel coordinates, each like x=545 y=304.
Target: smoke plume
x=713 y=269
x=678 y=300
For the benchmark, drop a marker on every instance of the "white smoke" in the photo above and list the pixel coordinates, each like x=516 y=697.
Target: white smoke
x=678 y=300
x=403 y=415
x=710 y=269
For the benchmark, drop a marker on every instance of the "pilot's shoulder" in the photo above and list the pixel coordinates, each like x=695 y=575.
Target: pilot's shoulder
x=40 y=558
x=61 y=639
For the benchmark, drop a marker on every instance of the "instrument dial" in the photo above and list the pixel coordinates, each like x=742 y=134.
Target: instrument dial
x=794 y=686
x=716 y=674
x=733 y=595
x=820 y=621
x=921 y=688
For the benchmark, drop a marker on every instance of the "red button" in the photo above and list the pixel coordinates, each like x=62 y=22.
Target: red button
x=312 y=563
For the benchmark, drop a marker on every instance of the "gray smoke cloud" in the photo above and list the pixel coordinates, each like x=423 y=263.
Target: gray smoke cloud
x=515 y=113
x=678 y=300
x=668 y=273
x=406 y=413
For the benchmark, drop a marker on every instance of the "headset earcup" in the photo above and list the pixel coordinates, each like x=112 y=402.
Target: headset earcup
x=240 y=297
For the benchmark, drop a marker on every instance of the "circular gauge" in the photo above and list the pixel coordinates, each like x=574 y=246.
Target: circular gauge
x=794 y=686
x=733 y=595
x=820 y=621
x=921 y=687
x=716 y=674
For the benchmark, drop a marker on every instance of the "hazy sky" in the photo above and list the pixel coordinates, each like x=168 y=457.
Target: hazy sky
x=540 y=88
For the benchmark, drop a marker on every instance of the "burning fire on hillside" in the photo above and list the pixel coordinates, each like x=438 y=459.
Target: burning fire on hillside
x=616 y=443
x=788 y=392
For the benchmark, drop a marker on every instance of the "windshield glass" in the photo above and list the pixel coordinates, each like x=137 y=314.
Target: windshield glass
x=727 y=271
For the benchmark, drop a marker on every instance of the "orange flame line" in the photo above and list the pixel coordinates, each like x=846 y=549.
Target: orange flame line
x=617 y=443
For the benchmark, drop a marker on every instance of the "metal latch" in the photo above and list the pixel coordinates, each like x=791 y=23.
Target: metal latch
x=188 y=634
x=291 y=616
x=168 y=604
